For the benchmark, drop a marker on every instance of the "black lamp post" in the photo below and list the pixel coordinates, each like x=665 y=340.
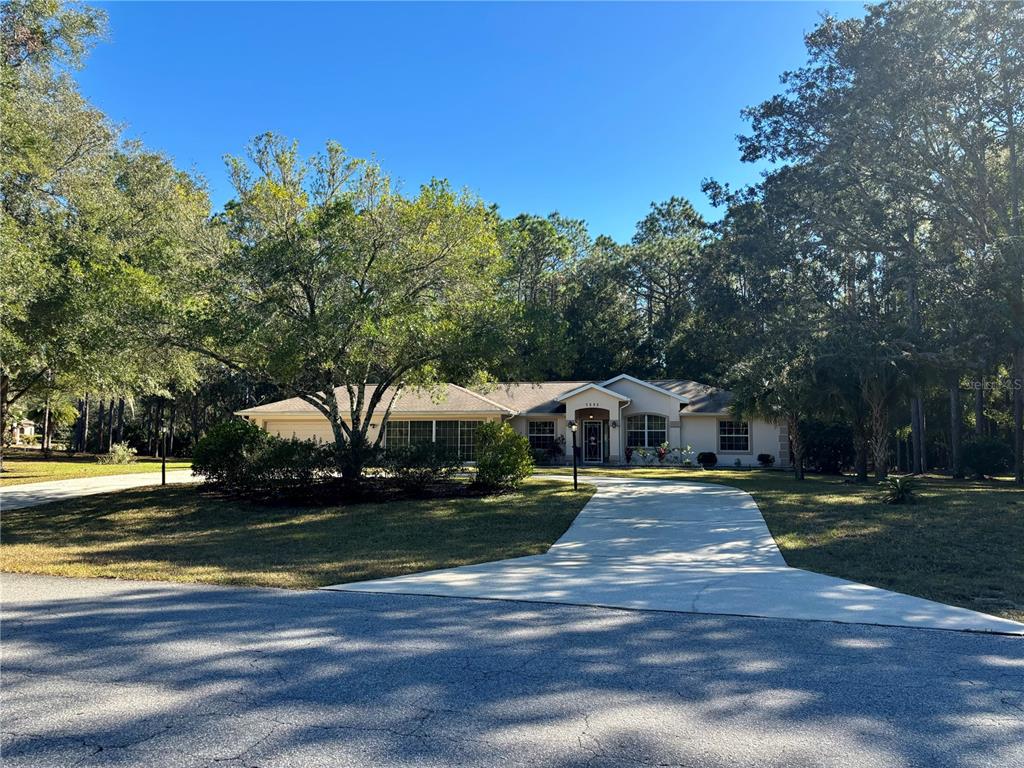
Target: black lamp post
x=575 y=479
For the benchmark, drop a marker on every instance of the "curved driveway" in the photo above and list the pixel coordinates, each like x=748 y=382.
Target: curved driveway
x=681 y=546
x=33 y=494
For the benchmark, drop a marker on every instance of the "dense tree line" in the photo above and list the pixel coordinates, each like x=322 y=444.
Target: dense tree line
x=875 y=276
x=868 y=292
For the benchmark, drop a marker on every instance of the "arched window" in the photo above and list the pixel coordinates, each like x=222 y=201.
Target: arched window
x=646 y=430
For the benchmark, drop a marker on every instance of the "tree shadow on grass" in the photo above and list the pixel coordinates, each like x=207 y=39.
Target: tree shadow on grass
x=962 y=542
x=187 y=534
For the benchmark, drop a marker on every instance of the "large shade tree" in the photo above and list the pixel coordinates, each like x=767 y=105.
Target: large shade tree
x=96 y=232
x=331 y=278
x=905 y=125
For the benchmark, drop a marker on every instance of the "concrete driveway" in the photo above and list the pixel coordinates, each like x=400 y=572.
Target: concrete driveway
x=100 y=673
x=33 y=494
x=681 y=546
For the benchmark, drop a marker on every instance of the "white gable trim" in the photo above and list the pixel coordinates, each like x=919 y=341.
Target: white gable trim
x=641 y=382
x=566 y=395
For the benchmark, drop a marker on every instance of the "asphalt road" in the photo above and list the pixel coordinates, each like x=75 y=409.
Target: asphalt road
x=105 y=673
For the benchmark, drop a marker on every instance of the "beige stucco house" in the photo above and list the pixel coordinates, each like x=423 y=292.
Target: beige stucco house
x=22 y=432
x=614 y=417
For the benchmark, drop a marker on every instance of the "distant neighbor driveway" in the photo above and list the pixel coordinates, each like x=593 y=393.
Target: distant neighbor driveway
x=675 y=546
x=34 y=494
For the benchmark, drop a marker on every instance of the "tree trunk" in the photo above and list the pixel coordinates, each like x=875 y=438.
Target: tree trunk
x=1016 y=257
x=85 y=425
x=5 y=385
x=915 y=431
x=796 y=443
x=979 y=407
x=860 y=447
x=860 y=460
x=45 y=444
x=194 y=417
x=120 y=419
x=1018 y=416
x=880 y=436
x=919 y=461
x=76 y=440
x=955 y=432
x=161 y=446
x=150 y=418
x=924 y=435
x=103 y=423
x=100 y=424
x=170 y=428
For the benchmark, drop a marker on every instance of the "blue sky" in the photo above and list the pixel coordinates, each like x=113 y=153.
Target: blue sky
x=593 y=110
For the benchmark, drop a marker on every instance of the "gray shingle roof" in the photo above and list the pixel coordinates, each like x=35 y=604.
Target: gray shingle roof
x=446 y=397
x=530 y=396
x=504 y=397
x=703 y=397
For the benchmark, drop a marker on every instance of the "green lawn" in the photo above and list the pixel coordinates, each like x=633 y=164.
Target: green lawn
x=187 y=534
x=22 y=466
x=961 y=543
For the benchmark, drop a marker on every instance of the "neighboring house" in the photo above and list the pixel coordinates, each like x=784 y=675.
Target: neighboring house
x=23 y=432
x=610 y=415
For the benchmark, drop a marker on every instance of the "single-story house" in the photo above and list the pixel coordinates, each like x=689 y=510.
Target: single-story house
x=614 y=417
x=22 y=431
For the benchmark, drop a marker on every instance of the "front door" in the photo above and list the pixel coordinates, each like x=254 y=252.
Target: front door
x=593 y=445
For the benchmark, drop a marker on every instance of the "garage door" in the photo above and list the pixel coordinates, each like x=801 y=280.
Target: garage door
x=304 y=430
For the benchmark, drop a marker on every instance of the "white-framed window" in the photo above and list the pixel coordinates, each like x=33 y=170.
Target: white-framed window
x=457 y=436
x=401 y=433
x=541 y=435
x=421 y=432
x=396 y=434
x=467 y=439
x=446 y=435
x=734 y=437
x=646 y=430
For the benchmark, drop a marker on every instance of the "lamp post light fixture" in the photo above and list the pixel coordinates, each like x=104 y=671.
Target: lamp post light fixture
x=575 y=479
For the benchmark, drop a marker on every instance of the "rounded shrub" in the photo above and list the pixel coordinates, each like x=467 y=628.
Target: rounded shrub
x=765 y=460
x=707 y=459
x=504 y=458
x=223 y=456
x=289 y=468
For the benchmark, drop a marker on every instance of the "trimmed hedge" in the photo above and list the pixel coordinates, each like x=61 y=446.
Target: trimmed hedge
x=244 y=459
x=417 y=466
